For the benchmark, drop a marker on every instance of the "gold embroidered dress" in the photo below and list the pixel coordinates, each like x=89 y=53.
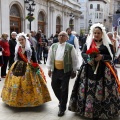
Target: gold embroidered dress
x=25 y=84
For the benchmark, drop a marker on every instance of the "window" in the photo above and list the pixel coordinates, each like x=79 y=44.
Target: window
x=14 y=11
x=96 y=15
x=100 y=15
x=91 y=6
x=98 y=7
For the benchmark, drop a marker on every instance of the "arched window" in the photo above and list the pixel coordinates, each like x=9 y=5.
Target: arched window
x=91 y=6
x=41 y=17
x=14 y=11
x=41 y=22
x=15 y=19
x=58 y=24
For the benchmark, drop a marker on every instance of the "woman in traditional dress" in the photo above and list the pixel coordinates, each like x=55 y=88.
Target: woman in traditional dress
x=96 y=92
x=25 y=84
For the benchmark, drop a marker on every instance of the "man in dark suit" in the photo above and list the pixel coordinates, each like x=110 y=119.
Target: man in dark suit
x=12 y=44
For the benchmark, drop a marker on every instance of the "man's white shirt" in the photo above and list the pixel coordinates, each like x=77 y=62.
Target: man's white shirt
x=60 y=55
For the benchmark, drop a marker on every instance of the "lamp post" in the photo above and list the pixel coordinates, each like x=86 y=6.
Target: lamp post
x=72 y=16
x=30 y=6
x=90 y=24
x=71 y=24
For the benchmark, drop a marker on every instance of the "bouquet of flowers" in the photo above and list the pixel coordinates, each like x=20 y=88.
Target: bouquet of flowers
x=34 y=66
x=92 y=52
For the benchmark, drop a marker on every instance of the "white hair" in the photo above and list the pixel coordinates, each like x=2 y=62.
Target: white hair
x=13 y=33
x=64 y=32
x=27 y=47
x=105 y=38
x=74 y=32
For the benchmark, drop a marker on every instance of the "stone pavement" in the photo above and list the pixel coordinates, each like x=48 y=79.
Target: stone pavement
x=47 y=111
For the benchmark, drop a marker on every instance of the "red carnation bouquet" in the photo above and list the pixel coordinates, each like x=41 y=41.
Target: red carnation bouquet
x=92 y=52
x=34 y=66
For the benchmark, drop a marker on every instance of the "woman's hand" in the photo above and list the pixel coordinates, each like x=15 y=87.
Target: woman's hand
x=99 y=57
x=91 y=62
x=2 y=49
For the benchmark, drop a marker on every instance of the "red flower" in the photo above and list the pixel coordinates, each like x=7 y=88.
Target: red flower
x=35 y=65
x=92 y=51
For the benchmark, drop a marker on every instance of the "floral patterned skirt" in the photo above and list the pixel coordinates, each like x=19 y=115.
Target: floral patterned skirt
x=95 y=98
x=27 y=89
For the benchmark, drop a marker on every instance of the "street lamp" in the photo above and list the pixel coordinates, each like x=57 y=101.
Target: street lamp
x=71 y=24
x=90 y=23
x=30 y=6
x=72 y=16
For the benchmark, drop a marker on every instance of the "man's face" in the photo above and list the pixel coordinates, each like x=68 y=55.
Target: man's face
x=69 y=31
x=13 y=36
x=32 y=34
x=110 y=36
x=62 y=37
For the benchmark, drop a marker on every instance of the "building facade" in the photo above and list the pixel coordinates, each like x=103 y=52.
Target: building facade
x=115 y=16
x=51 y=16
x=94 y=11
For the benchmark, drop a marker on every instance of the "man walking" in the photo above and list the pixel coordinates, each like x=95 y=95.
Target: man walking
x=62 y=64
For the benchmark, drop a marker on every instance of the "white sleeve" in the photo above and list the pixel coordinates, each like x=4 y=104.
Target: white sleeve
x=117 y=44
x=75 y=61
x=76 y=43
x=49 y=59
x=117 y=53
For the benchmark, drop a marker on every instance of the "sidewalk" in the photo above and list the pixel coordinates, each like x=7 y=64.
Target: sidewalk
x=47 y=111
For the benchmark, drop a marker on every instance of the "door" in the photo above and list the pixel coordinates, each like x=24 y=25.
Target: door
x=41 y=22
x=15 y=19
x=15 y=24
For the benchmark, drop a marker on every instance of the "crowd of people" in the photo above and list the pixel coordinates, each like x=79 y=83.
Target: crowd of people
x=96 y=91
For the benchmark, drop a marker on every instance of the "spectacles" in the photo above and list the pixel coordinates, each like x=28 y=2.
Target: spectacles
x=62 y=35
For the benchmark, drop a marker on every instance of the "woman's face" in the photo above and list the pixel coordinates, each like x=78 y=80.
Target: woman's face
x=22 y=41
x=97 y=33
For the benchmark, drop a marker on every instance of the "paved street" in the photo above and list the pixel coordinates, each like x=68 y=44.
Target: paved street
x=47 y=111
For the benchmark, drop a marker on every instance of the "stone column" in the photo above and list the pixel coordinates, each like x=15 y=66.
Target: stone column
x=5 y=17
x=51 y=20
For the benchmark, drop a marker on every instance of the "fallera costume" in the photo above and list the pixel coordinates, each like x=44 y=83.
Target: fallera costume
x=25 y=85
x=96 y=95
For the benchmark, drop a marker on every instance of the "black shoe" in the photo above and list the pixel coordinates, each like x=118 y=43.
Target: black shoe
x=61 y=113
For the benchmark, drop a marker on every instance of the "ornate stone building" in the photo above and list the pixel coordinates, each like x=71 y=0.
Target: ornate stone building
x=51 y=16
x=94 y=11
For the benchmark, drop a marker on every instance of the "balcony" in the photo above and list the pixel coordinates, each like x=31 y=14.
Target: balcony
x=105 y=1
x=101 y=10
